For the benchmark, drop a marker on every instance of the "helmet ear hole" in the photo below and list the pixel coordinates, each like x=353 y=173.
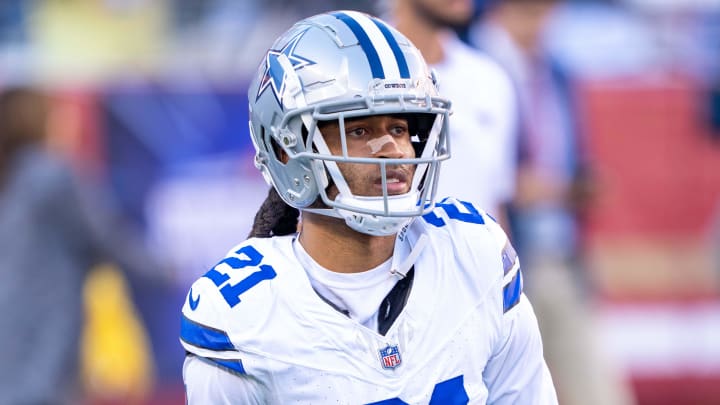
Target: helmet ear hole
x=278 y=151
x=275 y=149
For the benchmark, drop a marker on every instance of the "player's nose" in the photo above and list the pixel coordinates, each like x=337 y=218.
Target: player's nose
x=385 y=147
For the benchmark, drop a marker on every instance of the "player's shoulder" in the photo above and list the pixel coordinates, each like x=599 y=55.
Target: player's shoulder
x=458 y=218
x=480 y=245
x=235 y=294
x=473 y=234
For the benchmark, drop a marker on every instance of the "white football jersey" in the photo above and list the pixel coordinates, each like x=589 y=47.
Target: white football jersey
x=256 y=331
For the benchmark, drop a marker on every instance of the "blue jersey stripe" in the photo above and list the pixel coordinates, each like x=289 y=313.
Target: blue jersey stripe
x=399 y=56
x=365 y=43
x=512 y=292
x=232 y=365
x=204 y=336
x=509 y=257
x=450 y=392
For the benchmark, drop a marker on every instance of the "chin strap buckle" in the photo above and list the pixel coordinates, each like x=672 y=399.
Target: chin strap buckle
x=402 y=269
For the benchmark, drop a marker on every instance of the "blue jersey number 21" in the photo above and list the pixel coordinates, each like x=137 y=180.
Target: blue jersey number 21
x=248 y=257
x=465 y=213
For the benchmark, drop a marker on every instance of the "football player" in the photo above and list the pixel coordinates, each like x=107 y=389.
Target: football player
x=381 y=295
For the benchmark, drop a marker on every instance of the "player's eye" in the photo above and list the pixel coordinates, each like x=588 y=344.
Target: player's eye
x=355 y=132
x=398 y=130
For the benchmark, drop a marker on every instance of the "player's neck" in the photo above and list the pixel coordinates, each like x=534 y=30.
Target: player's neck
x=426 y=37
x=338 y=248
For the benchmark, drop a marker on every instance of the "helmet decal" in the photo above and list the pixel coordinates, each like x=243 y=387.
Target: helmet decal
x=274 y=75
x=372 y=33
x=402 y=63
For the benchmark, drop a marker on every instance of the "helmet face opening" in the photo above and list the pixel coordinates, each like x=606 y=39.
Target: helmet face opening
x=418 y=127
x=336 y=68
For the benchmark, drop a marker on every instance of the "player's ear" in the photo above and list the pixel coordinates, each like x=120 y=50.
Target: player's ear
x=283 y=156
x=279 y=152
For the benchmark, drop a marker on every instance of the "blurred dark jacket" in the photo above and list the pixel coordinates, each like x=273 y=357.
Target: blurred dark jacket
x=53 y=229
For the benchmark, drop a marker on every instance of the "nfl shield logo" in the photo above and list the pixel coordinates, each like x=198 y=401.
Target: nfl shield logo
x=390 y=357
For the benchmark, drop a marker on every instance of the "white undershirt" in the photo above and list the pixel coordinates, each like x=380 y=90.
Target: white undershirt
x=359 y=294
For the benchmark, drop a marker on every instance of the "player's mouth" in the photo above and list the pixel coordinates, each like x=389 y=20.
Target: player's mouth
x=396 y=180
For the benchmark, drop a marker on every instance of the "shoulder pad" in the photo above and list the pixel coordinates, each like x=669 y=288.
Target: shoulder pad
x=234 y=295
x=479 y=232
x=451 y=212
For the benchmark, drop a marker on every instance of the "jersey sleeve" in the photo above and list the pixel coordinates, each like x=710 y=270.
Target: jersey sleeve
x=517 y=373
x=207 y=316
x=203 y=330
x=213 y=372
x=225 y=316
x=206 y=383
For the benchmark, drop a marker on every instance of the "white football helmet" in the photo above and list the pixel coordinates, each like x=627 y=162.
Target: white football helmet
x=332 y=67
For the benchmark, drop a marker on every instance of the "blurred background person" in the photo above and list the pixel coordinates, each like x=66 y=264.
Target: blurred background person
x=554 y=187
x=483 y=135
x=53 y=231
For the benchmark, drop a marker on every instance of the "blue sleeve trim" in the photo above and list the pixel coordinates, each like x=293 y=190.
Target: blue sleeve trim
x=509 y=257
x=204 y=336
x=512 y=292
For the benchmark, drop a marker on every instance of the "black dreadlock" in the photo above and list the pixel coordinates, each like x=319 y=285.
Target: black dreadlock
x=274 y=218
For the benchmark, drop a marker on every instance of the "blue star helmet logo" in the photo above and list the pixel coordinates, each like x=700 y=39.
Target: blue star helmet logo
x=274 y=75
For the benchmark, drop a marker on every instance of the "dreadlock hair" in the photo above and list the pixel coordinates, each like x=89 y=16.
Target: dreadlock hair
x=274 y=218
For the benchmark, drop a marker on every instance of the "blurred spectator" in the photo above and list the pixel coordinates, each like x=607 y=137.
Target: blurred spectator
x=553 y=189
x=483 y=132
x=52 y=231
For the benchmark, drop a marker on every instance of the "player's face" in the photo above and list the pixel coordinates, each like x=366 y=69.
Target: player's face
x=381 y=136
x=445 y=13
